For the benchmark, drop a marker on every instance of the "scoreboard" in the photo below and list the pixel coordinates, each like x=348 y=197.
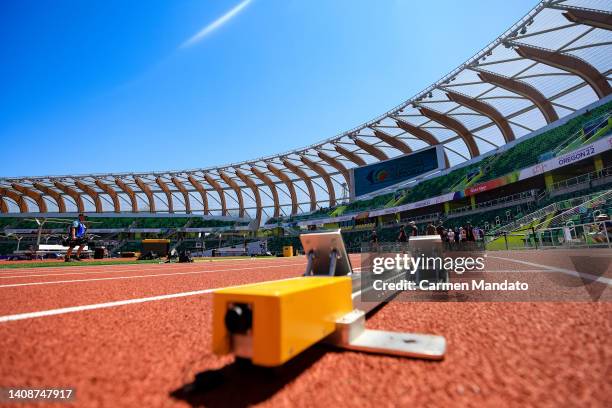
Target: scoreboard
x=376 y=176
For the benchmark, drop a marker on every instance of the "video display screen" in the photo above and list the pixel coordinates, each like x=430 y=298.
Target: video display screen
x=377 y=176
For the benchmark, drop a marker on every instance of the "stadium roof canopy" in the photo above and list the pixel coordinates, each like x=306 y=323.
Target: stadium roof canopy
x=554 y=61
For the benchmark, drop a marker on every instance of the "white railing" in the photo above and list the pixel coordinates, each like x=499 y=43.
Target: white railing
x=583 y=178
x=590 y=204
x=595 y=234
x=541 y=213
x=501 y=202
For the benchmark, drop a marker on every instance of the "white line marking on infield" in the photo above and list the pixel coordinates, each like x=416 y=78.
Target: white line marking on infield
x=594 y=278
x=140 y=276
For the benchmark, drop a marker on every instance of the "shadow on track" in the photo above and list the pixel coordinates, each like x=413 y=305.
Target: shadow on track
x=241 y=384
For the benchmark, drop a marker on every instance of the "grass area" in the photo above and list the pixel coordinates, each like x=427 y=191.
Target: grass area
x=515 y=241
x=225 y=258
x=55 y=264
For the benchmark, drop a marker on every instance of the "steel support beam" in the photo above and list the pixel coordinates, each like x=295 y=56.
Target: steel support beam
x=306 y=179
x=393 y=141
x=336 y=165
x=352 y=156
x=577 y=66
x=180 y=187
x=147 y=191
x=523 y=89
x=268 y=182
x=111 y=193
x=61 y=204
x=234 y=186
x=326 y=178
x=455 y=126
x=589 y=17
x=288 y=183
x=72 y=193
x=164 y=187
x=130 y=193
x=200 y=189
x=370 y=149
x=486 y=110
x=40 y=201
x=259 y=209
x=91 y=193
x=219 y=191
x=421 y=134
x=17 y=198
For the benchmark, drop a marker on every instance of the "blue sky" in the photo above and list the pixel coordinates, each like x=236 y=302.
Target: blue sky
x=117 y=86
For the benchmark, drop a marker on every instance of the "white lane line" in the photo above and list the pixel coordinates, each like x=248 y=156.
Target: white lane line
x=86 y=265
x=594 y=278
x=140 y=276
x=513 y=270
x=73 y=309
x=58 y=273
x=84 y=269
x=124 y=271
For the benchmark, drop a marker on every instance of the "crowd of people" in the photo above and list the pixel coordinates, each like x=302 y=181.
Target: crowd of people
x=450 y=235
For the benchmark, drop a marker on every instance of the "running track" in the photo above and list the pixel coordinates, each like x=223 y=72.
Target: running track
x=136 y=336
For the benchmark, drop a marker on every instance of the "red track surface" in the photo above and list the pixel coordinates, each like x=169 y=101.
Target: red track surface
x=146 y=354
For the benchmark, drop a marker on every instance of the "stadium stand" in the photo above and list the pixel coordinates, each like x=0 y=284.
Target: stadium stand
x=581 y=130
x=529 y=152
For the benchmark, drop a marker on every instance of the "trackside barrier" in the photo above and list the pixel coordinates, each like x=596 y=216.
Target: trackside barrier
x=596 y=202
x=589 y=235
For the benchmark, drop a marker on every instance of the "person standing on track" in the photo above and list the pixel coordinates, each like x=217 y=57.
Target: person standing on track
x=431 y=229
x=76 y=236
x=374 y=237
x=402 y=237
x=451 y=236
x=413 y=231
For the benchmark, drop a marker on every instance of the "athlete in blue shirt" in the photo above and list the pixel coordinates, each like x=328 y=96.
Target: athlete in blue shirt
x=77 y=233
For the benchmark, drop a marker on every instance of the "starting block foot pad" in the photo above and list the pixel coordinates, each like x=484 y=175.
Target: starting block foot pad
x=399 y=344
x=351 y=334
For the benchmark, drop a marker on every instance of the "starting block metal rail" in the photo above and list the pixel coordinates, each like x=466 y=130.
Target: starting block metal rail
x=272 y=322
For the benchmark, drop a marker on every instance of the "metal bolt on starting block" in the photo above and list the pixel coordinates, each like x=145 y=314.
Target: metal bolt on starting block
x=272 y=322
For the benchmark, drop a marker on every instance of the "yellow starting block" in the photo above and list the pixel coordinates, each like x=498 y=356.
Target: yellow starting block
x=272 y=322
